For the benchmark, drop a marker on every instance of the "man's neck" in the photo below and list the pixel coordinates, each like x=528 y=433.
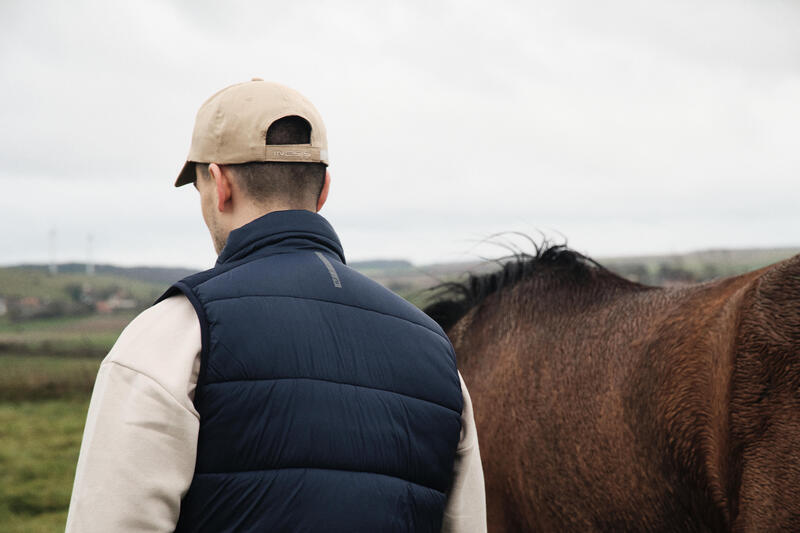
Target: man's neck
x=249 y=214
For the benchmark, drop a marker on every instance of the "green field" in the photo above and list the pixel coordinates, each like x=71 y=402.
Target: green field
x=41 y=377
x=78 y=336
x=43 y=403
x=48 y=366
x=39 y=444
x=45 y=387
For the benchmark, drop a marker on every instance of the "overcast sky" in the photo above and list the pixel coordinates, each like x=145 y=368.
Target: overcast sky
x=626 y=127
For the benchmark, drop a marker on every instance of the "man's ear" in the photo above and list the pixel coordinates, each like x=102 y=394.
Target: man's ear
x=222 y=182
x=325 y=188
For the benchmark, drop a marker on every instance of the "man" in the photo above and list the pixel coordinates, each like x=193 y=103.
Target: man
x=279 y=390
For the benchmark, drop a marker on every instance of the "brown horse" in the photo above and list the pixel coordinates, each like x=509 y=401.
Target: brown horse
x=606 y=405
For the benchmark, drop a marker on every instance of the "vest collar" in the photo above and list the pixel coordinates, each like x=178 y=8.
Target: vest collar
x=280 y=232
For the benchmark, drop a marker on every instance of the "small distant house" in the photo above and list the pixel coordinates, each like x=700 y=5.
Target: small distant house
x=30 y=302
x=114 y=303
x=26 y=308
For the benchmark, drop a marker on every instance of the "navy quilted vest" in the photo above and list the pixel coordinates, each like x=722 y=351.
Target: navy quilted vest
x=327 y=403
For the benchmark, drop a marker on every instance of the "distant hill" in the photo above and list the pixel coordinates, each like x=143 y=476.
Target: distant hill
x=696 y=266
x=381 y=264
x=161 y=275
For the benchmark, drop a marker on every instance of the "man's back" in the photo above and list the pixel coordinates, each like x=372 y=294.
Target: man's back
x=316 y=382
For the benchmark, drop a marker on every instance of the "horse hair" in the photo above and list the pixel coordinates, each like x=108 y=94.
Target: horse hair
x=453 y=300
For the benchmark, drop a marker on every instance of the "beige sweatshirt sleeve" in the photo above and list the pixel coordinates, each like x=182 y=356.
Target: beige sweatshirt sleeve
x=140 y=441
x=466 y=504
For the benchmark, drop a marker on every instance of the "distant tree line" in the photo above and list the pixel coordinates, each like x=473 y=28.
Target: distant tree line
x=669 y=273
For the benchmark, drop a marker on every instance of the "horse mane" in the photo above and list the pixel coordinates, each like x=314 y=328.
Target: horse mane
x=453 y=300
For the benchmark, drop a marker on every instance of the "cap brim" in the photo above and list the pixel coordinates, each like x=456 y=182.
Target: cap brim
x=187 y=174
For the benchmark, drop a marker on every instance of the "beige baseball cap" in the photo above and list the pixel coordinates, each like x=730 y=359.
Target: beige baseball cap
x=231 y=127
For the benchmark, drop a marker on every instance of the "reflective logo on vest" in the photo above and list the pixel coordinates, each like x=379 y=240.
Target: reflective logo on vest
x=332 y=271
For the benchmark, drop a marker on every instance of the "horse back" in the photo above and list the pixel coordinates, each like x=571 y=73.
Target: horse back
x=612 y=406
x=765 y=404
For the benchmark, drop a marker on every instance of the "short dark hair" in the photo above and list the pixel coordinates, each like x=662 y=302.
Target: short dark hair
x=298 y=184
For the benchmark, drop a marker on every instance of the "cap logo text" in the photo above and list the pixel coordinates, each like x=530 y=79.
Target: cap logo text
x=291 y=153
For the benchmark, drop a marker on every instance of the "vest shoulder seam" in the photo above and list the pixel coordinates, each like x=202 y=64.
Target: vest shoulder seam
x=257 y=470
x=289 y=378
x=442 y=335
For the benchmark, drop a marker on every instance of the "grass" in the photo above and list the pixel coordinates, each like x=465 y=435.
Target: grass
x=43 y=403
x=37 y=377
x=91 y=335
x=39 y=445
x=46 y=380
